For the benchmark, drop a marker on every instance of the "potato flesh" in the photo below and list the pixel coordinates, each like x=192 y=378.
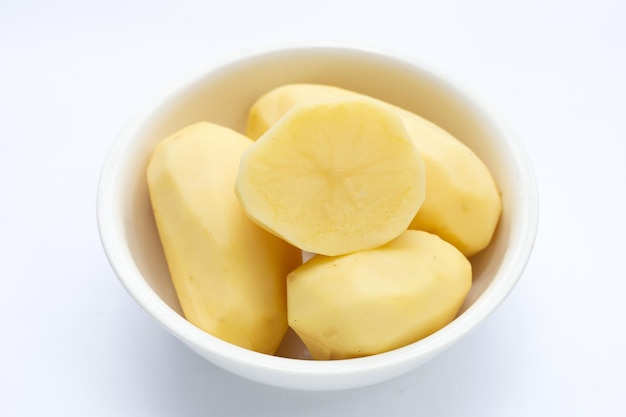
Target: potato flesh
x=377 y=300
x=228 y=273
x=462 y=202
x=333 y=177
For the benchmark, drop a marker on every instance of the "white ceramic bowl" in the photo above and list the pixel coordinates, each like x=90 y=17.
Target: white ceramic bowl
x=223 y=95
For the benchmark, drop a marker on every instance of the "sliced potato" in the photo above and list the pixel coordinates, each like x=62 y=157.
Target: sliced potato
x=333 y=177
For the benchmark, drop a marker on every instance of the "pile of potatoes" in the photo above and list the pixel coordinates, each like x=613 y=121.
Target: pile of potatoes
x=389 y=206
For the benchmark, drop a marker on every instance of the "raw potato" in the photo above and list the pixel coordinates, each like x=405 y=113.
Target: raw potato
x=462 y=201
x=229 y=274
x=333 y=177
x=377 y=300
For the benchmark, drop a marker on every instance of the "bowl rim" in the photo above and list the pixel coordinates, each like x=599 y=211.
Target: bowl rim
x=109 y=220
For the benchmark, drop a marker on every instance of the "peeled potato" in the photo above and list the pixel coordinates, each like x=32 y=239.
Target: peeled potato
x=229 y=274
x=377 y=300
x=333 y=177
x=462 y=202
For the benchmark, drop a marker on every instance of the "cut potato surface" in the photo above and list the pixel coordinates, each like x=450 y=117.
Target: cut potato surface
x=333 y=177
x=377 y=300
x=229 y=274
x=462 y=202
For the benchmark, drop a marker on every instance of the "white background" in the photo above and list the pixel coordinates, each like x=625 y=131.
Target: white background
x=73 y=342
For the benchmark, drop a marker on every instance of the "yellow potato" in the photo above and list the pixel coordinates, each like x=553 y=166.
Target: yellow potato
x=333 y=177
x=462 y=201
x=377 y=300
x=229 y=274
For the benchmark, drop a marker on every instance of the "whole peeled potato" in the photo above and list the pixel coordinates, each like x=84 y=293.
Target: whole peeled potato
x=229 y=274
x=462 y=202
x=373 y=301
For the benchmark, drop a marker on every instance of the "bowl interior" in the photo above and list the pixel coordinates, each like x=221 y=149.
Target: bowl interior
x=224 y=95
